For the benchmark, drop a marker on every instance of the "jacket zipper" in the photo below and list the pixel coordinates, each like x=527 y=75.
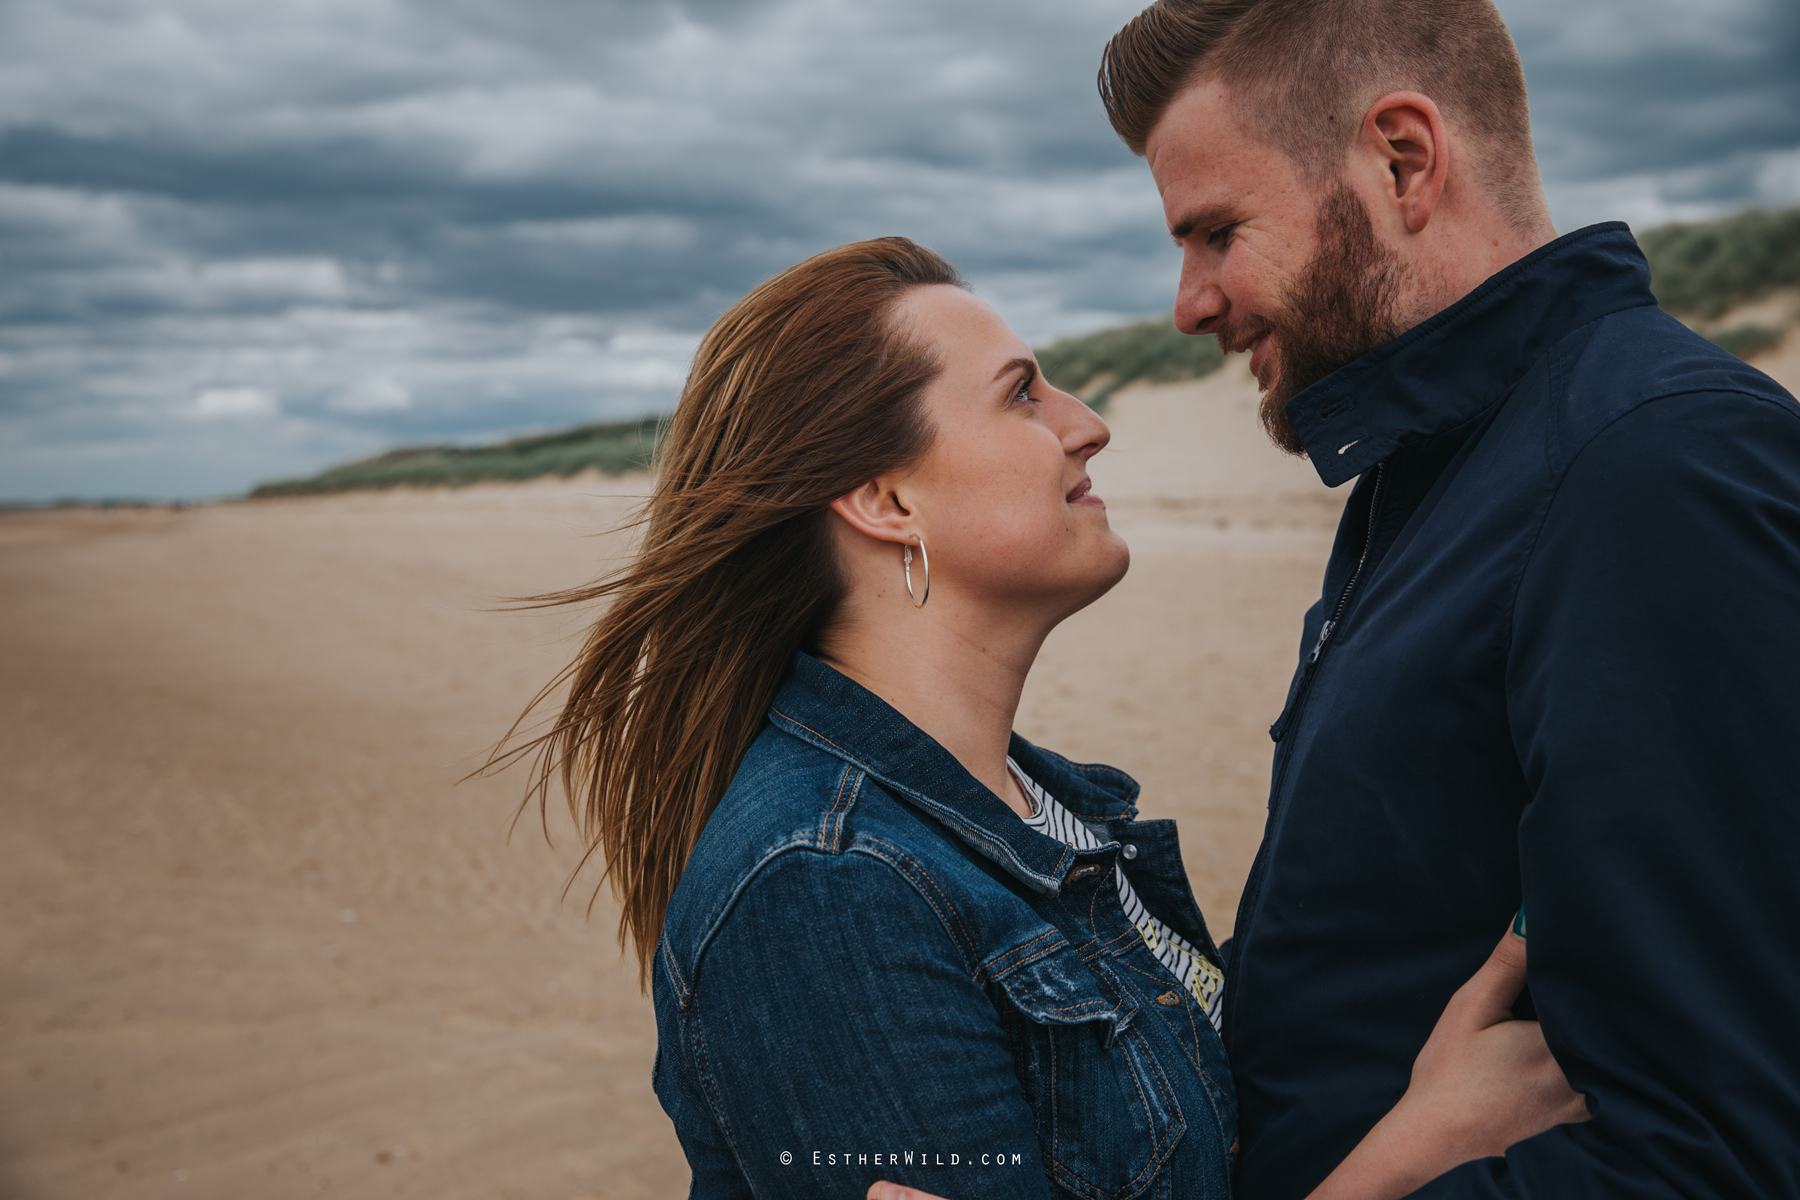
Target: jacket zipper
x=1326 y=629
x=1253 y=885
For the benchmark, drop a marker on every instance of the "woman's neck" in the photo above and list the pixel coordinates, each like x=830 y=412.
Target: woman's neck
x=956 y=678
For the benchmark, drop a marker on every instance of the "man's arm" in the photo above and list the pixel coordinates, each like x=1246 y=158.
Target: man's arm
x=1654 y=691
x=838 y=1038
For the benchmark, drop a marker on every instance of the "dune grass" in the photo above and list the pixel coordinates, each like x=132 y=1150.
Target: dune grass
x=1698 y=270
x=1702 y=268
x=1097 y=365
x=1747 y=340
x=1093 y=366
x=614 y=448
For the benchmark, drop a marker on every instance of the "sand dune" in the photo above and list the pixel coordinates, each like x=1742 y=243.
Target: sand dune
x=258 y=942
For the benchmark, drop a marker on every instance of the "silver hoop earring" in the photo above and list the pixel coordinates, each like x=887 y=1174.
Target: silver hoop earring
x=925 y=593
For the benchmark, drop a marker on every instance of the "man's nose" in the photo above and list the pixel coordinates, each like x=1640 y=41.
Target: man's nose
x=1199 y=301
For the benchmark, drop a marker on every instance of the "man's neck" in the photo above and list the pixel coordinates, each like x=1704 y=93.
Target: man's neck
x=1460 y=259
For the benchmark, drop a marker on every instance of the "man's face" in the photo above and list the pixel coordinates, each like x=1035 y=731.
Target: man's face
x=1270 y=264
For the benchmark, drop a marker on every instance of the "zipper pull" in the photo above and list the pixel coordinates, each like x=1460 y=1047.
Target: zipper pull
x=1319 y=646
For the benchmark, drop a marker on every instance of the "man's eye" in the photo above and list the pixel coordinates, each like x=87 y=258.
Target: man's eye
x=1221 y=235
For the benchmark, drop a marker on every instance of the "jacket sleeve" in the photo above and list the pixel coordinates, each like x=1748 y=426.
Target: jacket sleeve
x=1653 y=695
x=836 y=1035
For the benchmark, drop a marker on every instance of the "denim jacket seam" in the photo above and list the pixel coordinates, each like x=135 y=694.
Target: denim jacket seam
x=841 y=804
x=673 y=969
x=1125 y=937
x=1187 y=1008
x=703 y=1068
x=1102 y=1004
x=1158 y=1149
x=809 y=729
x=1087 y=769
x=1090 y=949
x=959 y=936
x=800 y=842
x=997 y=968
x=1156 y=1155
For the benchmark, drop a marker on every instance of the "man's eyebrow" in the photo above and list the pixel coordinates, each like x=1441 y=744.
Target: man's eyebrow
x=1204 y=218
x=1014 y=364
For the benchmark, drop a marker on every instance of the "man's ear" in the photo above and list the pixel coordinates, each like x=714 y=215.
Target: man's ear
x=874 y=509
x=1407 y=132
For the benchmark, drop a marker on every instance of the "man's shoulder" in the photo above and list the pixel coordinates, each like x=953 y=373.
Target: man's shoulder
x=1622 y=366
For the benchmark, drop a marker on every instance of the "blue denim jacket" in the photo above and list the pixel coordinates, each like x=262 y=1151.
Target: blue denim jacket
x=873 y=969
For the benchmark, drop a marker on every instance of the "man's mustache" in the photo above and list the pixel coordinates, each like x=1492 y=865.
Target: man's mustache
x=1236 y=339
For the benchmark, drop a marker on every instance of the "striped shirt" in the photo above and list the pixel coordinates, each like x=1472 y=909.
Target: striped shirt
x=1191 y=968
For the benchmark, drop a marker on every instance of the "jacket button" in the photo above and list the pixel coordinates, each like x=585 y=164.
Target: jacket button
x=1129 y=851
x=1169 y=998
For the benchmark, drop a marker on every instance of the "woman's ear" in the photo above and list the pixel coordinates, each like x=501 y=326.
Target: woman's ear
x=875 y=510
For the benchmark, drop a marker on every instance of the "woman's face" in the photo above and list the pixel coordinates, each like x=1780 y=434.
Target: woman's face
x=1002 y=497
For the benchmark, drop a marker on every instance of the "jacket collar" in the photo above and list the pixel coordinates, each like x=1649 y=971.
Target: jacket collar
x=1462 y=361
x=828 y=709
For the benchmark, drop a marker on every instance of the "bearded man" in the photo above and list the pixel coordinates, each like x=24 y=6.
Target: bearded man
x=1556 y=646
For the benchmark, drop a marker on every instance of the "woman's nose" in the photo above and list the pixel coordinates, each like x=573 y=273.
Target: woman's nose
x=1087 y=433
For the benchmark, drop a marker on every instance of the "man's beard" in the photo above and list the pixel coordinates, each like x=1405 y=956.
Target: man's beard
x=1345 y=303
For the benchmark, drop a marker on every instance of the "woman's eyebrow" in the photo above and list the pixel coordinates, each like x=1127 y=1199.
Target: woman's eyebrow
x=1014 y=364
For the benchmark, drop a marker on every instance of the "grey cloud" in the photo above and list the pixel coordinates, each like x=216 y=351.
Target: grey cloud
x=244 y=240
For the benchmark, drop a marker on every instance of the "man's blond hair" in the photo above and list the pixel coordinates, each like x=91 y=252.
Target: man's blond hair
x=1305 y=71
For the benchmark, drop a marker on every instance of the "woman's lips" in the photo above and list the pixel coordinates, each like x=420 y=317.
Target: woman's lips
x=1083 y=493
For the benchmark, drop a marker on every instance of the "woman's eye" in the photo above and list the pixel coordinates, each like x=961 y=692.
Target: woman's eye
x=1024 y=393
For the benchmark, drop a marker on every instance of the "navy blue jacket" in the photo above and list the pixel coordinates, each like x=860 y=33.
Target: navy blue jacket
x=1554 y=663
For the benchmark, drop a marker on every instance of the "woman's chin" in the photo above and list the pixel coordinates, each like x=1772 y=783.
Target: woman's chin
x=1109 y=565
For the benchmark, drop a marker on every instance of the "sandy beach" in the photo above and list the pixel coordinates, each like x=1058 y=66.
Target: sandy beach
x=259 y=942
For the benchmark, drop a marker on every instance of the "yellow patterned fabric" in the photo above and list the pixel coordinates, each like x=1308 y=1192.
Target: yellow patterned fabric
x=1199 y=975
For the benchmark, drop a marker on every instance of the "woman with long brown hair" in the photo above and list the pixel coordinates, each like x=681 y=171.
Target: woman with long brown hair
x=887 y=937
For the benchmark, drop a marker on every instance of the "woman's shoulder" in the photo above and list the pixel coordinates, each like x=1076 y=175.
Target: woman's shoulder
x=802 y=835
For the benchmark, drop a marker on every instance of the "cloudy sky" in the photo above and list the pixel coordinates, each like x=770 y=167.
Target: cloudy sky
x=242 y=241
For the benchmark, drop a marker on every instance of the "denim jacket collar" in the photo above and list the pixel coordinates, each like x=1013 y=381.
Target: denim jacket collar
x=1465 y=359
x=833 y=712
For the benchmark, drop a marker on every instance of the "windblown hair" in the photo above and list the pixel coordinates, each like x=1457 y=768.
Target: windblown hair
x=802 y=392
x=1304 y=72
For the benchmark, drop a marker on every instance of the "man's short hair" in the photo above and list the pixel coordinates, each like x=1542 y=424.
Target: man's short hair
x=1305 y=71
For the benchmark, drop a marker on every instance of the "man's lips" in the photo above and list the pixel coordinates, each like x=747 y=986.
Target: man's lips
x=1259 y=353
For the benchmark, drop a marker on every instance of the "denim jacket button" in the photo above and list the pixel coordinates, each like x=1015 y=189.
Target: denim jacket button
x=1129 y=851
x=1169 y=998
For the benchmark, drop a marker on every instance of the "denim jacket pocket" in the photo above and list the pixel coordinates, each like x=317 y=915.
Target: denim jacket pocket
x=1107 y=1117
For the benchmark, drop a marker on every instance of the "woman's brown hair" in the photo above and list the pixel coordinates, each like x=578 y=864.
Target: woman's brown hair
x=803 y=391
